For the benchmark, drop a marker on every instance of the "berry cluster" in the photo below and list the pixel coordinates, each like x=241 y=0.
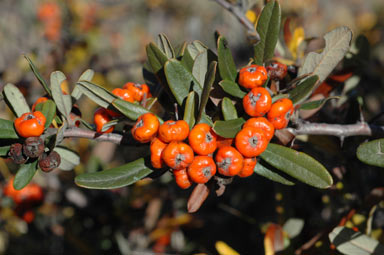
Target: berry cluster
x=206 y=153
x=131 y=92
x=30 y=126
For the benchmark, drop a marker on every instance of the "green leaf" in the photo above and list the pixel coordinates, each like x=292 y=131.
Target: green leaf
x=63 y=102
x=190 y=109
x=116 y=177
x=69 y=158
x=48 y=108
x=293 y=227
x=349 y=242
x=180 y=49
x=165 y=46
x=298 y=165
x=97 y=94
x=86 y=76
x=372 y=153
x=200 y=67
x=337 y=43
x=109 y=124
x=4 y=150
x=268 y=27
x=130 y=110
x=180 y=80
x=228 y=109
x=271 y=175
x=232 y=88
x=227 y=67
x=228 y=128
x=156 y=57
x=279 y=96
x=209 y=79
x=60 y=133
x=195 y=48
x=316 y=104
x=206 y=119
x=38 y=76
x=24 y=175
x=7 y=130
x=15 y=100
x=303 y=90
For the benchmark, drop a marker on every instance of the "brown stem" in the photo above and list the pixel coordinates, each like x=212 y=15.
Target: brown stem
x=89 y=134
x=252 y=33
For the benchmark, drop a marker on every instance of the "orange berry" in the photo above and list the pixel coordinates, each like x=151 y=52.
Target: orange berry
x=229 y=161
x=251 y=142
x=182 y=178
x=262 y=123
x=30 y=124
x=202 y=139
x=252 y=76
x=248 y=168
x=137 y=90
x=146 y=127
x=257 y=102
x=202 y=169
x=177 y=155
x=173 y=131
x=280 y=112
x=157 y=147
x=100 y=118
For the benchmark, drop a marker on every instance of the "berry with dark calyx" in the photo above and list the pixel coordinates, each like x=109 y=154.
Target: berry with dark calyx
x=16 y=153
x=50 y=161
x=33 y=147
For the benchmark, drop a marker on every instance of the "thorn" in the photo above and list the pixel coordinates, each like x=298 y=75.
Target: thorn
x=341 y=140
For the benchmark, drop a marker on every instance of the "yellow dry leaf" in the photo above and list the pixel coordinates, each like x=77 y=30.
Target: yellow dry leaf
x=65 y=87
x=297 y=38
x=224 y=249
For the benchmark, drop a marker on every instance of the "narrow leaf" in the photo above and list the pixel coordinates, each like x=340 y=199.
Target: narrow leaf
x=116 y=177
x=372 y=153
x=227 y=67
x=349 y=242
x=48 y=108
x=228 y=128
x=24 y=175
x=298 y=165
x=209 y=79
x=180 y=80
x=109 y=124
x=130 y=110
x=190 y=109
x=293 y=227
x=271 y=175
x=303 y=90
x=200 y=67
x=38 y=76
x=7 y=130
x=63 y=102
x=165 y=46
x=156 y=57
x=232 y=88
x=228 y=109
x=69 y=158
x=4 y=150
x=60 y=133
x=206 y=119
x=96 y=93
x=268 y=27
x=86 y=76
x=15 y=100
x=316 y=104
x=337 y=43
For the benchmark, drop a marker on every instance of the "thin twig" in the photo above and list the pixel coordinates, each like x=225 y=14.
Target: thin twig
x=358 y=129
x=252 y=33
x=89 y=134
